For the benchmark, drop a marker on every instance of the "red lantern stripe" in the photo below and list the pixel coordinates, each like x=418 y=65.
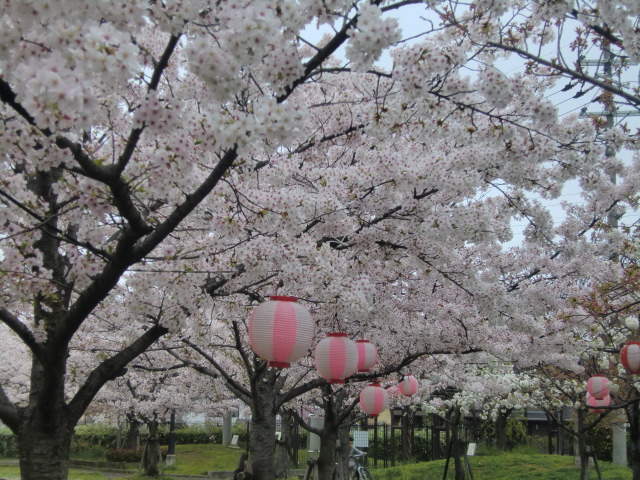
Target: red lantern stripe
x=285 y=331
x=280 y=331
x=408 y=386
x=595 y=404
x=367 y=355
x=630 y=357
x=374 y=399
x=336 y=357
x=597 y=386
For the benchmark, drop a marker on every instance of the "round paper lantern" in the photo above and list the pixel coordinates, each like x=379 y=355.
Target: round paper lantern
x=280 y=331
x=336 y=357
x=597 y=386
x=367 y=355
x=630 y=357
x=595 y=404
x=374 y=399
x=392 y=391
x=408 y=386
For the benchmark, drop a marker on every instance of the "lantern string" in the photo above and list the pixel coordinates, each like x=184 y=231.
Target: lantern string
x=278 y=285
x=336 y=322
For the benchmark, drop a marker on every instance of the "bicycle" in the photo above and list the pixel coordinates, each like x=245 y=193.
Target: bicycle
x=360 y=472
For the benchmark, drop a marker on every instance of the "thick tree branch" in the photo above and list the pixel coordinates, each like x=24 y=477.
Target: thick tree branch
x=223 y=373
x=111 y=369
x=163 y=230
x=135 y=134
x=318 y=59
x=634 y=100
x=9 y=413
x=22 y=331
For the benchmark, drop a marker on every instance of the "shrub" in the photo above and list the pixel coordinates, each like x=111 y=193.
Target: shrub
x=8 y=444
x=515 y=429
x=123 y=455
x=95 y=435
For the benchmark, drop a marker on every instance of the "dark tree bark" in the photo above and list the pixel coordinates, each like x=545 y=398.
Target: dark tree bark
x=633 y=415
x=133 y=438
x=333 y=461
x=456 y=450
x=502 y=441
x=151 y=455
x=284 y=452
x=581 y=439
x=328 y=447
x=262 y=434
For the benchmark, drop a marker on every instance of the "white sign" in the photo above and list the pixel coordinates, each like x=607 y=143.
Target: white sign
x=471 y=450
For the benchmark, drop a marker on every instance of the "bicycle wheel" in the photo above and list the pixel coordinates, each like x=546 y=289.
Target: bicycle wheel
x=363 y=474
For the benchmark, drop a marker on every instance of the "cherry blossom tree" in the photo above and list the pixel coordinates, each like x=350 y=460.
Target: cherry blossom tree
x=611 y=310
x=166 y=163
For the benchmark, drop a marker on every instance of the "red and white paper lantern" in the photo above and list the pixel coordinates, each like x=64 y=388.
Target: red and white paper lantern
x=367 y=355
x=336 y=357
x=408 y=386
x=374 y=399
x=596 y=404
x=630 y=357
x=598 y=386
x=281 y=331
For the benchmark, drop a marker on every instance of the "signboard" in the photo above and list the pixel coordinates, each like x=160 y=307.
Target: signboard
x=313 y=443
x=471 y=450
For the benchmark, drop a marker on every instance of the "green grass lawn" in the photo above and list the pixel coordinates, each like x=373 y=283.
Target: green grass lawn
x=507 y=466
x=198 y=459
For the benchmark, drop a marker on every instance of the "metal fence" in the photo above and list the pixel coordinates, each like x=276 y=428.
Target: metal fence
x=408 y=437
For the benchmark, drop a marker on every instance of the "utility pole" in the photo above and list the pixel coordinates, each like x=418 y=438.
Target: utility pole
x=610 y=110
x=618 y=430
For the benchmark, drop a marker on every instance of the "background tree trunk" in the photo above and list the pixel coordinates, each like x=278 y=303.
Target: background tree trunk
x=502 y=441
x=133 y=438
x=633 y=415
x=151 y=455
x=583 y=454
x=284 y=453
x=456 y=452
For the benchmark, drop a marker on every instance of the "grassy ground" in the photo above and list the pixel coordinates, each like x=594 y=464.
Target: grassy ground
x=198 y=459
x=507 y=466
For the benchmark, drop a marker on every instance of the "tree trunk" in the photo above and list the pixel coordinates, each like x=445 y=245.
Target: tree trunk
x=633 y=415
x=45 y=426
x=133 y=439
x=456 y=453
x=328 y=442
x=583 y=453
x=284 y=452
x=262 y=435
x=44 y=453
x=343 y=453
x=502 y=441
x=151 y=454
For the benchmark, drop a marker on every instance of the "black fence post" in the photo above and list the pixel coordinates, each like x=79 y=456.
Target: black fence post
x=172 y=434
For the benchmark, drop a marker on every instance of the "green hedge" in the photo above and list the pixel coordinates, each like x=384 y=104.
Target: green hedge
x=104 y=436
